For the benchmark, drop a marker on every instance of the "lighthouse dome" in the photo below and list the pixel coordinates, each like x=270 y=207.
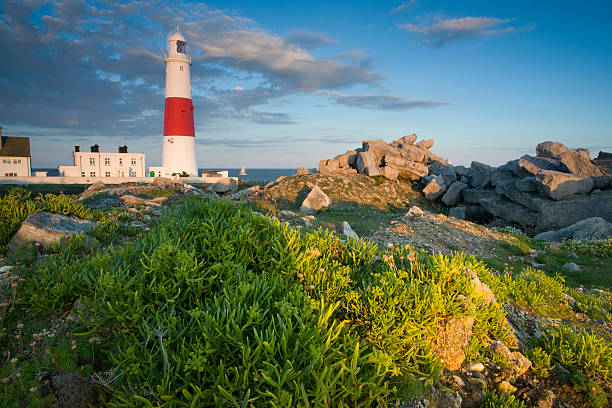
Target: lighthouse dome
x=176 y=37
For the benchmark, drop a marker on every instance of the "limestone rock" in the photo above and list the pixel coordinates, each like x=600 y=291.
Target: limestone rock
x=457 y=212
x=72 y=390
x=518 y=364
x=404 y=141
x=601 y=182
x=378 y=148
x=589 y=228
x=552 y=150
x=481 y=174
x=314 y=201
x=530 y=166
x=301 y=170
x=453 y=194
x=478 y=367
x=558 y=186
x=412 y=153
x=348 y=231
x=447 y=172
x=164 y=182
x=527 y=185
x=223 y=186
x=481 y=289
x=415 y=211
x=92 y=190
x=434 y=188
x=560 y=214
x=524 y=324
x=134 y=201
x=390 y=172
x=439 y=398
x=367 y=164
x=509 y=211
x=412 y=171
x=545 y=400
x=474 y=195
x=532 y=201
x=245 y=193
x=506 y=387
x=425 y=144
x=451 y=341
x=576 y=163
x=571 y=266
x=45 y=228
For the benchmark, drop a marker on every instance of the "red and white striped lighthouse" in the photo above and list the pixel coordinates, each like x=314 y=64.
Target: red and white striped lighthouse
x=178 y=150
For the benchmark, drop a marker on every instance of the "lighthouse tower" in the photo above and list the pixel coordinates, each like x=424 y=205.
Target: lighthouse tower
x=178 y=149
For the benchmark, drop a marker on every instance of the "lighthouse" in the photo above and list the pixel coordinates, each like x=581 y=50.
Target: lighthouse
x=178 y=149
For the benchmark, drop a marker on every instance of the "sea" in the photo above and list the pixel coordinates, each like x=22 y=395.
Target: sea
x=252 y=174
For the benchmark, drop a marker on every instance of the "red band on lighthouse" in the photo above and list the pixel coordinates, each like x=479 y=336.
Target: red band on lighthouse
x=178 y=117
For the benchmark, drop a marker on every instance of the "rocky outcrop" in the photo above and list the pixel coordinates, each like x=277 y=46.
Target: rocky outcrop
x=301 y=170
x=452 y=340
x=558 y=186
x=315 y=201
x=589 y=228
x=45 y=228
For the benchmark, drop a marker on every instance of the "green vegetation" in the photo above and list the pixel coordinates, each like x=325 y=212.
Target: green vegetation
x=540 y=361
x=221 y=306
x=17 y=204
x=493 y=399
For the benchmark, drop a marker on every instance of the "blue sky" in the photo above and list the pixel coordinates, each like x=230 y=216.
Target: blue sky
x=282 y=84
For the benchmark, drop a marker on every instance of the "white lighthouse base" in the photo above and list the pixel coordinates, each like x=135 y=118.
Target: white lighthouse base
x=178 y=155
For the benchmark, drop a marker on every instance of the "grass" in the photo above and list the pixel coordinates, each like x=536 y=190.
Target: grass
x=66 y=189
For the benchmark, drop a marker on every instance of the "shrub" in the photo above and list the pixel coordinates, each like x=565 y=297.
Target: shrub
x=590 y=247
x=540 y=361
x=494 y=399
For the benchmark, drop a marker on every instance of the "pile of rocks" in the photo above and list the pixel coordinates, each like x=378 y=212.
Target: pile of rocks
x=551 y=190
x=402 y=158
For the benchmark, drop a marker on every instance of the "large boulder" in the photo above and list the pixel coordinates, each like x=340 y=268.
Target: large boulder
x=474 y=195
x=509 y=211
x=390 y=173
x=367 y=164
x=434 y=188
x=165 y=182
x=451 y=341
x=92 y=190
x=578 y=163
x=558 y=186
x=404 y=141
x=412 y=171
x=45 y=228
x=589 y=228
x=551 y=150
x=530 y=166
x=379 y=148
x=527 y=185
x=301 y=171
x=412 y=153
x=532 y=201
x=314 y=201
x=425 y=144
x=453 y=194
x=447 y=172
x=481 y=174
x=560 y=214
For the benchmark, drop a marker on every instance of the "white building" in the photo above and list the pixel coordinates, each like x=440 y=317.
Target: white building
x=100 y=164
x=15 y=160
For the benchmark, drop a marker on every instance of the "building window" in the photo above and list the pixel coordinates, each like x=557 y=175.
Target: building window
x=92 y=161
x=181 y=68
x=133 y=162
x=121 y=162
x=122 y=174
x=82 y=174
x=16 y=161
x=4 y=161
x=107 y=161
x=107 y=174
x=10 y=174
x=181 y=47
x=92 y=174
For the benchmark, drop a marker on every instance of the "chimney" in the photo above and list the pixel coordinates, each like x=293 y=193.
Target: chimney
x=95 y=149
x=77 y=148
x=123 y=149
x=0 y=131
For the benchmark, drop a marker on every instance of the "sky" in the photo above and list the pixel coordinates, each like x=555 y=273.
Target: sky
x=279 y=84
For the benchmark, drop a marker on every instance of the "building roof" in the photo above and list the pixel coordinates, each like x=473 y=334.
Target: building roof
x=15 y=146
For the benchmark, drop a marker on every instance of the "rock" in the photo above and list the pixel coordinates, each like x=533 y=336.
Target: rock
x=453 y=194
x=134 y=201
x=45 y=228
x=525 y=325
x=477 y=213
x=509 y=211
x=92 y=190
x=287 y=213
x=451 y=341
x=72 y=390
x=511 y=165
x=557 y=185
x=506 y=387
x=447 y=172
x=481 y=174
x=378 y=148
x=601 y=182
x=589 y=228
x=435 y=188
x=481 y=289
x=478 y=367
x=528 y=166
x=518 y=364
x=532 y=201
x=561 y=214
x=367 y=164
x=301 y=170
x=457 y=381
x=415 y=211
x=463 y=171
x=551 y=150
x=314 y=201
x=545 y=400
x=105 y=203
x=8 y=268
x=348 y=231
x=412 y=153
x=390 y=173
x=238 y=195
x=571 y=266
x=425 y=144
x=474 y=195
x=457 y=212
x=165 y=182
x=527 y=185
x=223 y=186
x=439 y=398
x=502 y=176
x=578 y=164
x=404 y=141
x=479 y=382
x=412 y=171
